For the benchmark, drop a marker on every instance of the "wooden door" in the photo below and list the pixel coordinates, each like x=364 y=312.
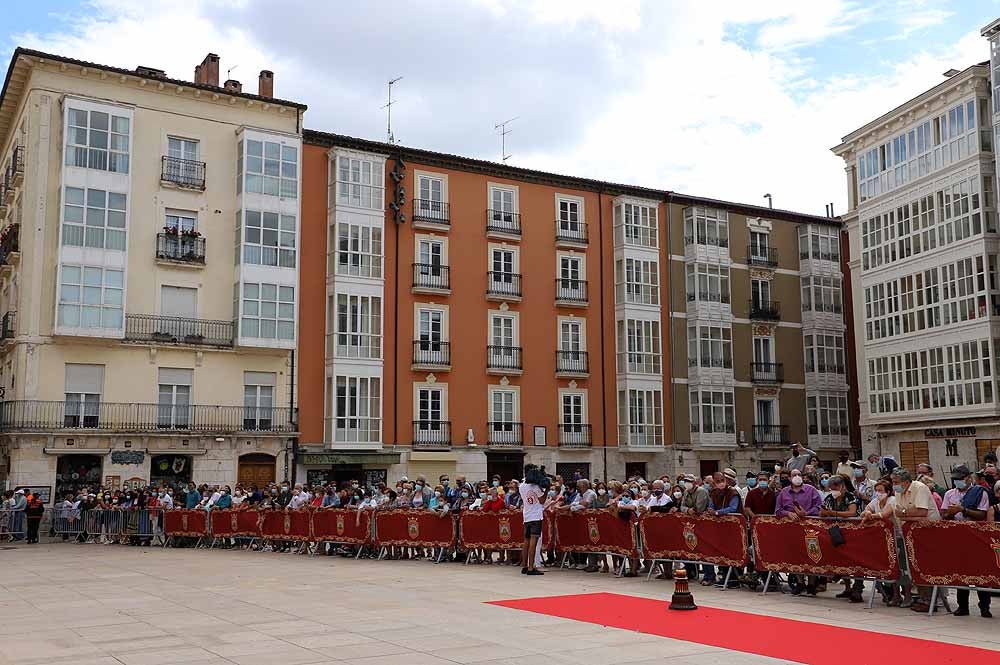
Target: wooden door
x=257 y=473
x=912 y=453
x=984 y=446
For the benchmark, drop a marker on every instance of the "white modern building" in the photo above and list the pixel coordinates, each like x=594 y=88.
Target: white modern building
x=924 y=245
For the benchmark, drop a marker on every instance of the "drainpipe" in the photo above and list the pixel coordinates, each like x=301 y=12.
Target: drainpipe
x=670 y=330
x=293 y=418
x=604 y=378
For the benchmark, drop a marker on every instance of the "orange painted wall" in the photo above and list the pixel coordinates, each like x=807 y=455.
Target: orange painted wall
x=312 y=294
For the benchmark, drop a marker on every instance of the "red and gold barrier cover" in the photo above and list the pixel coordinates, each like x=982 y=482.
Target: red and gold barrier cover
x=342 y=525
x=719 y=539
x=803 y=546
x=595 y=531
x=186 y=523
x=414 y=528
x=953 y=553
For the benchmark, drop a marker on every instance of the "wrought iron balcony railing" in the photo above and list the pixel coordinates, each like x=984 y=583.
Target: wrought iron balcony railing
x=572 y=232
x=183 y=172
x=503 y=284
x=431 y=434
x=502 y=433
x=503 y=221
x=503 y=357
x=428 y=210
x=180 y=247
x=767 y=372
x=431 y=276
x=766 y=257
x=33 y=415
x=178 y=330
x=764 y=310
x=770 y=435
x=571 y=290
x=574 y=435
x=575 y=362
x=431 y=353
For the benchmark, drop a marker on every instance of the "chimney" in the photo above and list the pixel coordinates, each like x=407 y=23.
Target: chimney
x=207 y=73
x=265 y=83
x=232 y=85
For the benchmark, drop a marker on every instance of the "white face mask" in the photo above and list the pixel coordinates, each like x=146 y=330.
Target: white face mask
x=688 y=485
x=678 y=495
x=797 y=481
x=836 y=493
x=602 y=491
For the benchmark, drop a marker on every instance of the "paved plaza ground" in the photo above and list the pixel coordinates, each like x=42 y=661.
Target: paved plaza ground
x=112 y=605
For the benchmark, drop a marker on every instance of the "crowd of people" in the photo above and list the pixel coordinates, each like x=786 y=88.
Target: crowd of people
x=872 y=489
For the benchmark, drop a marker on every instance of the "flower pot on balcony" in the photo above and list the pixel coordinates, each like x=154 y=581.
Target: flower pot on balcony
x=194 y=338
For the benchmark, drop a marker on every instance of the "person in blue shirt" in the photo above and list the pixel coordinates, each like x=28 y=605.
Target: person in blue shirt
x=192 y=498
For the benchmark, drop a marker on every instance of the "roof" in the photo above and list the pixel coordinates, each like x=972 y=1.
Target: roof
x=927 y=94
x=12 y=80
x=447 y=160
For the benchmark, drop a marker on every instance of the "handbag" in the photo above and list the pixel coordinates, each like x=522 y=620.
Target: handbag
x=836 y=535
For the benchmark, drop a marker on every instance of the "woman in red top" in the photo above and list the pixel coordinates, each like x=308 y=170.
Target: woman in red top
x=493 y=503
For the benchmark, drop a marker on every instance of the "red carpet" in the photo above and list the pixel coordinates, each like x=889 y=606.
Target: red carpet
x=787 y=639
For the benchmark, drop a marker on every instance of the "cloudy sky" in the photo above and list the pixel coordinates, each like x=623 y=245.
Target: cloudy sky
x=728 y=99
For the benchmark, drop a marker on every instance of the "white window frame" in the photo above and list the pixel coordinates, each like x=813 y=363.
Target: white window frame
x=87 y=222
x=113 y=155
x=359 y=328
x=357 y=409
x=257 y=304
x=108 y=297
x=358 y=251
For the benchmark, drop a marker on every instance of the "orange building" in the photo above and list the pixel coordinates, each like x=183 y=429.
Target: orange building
x=464 y=317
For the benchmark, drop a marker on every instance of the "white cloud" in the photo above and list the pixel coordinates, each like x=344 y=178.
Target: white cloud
x=716 y=99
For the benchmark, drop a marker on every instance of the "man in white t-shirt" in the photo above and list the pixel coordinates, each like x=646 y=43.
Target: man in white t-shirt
x=533 y=513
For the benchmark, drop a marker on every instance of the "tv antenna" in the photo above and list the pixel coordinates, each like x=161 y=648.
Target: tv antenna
x=230 y=71
x=503 y=137
x=388 y=107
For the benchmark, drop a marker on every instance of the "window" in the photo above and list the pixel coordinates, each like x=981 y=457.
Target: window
x=502 y=205
x=269 y=239
x=822 y=294
x=97 y=140
x=358 y=409
x=640 y=417
x=359 y=250
x=360 y=183
x=827 y=414
x=639 y=346
x=186 y=149
x=83 y=387
x=758 y=245
x=359 y=326
x=706 y=226
x=712 y=412
x=637 y=281
x=572 y=419
x=503 y=331
x=571 y=283
x=174 y=398
x=430 y=204
x=571 y=336
x=430 y=329
x=825 y=353
x=570 y=217
x=503 y=279
x=180 y=221
x=429 y=409
x=760 y=293
x=258 y=400
x=268 y=311
x=819 y=243
x=636 y=225
x=429 y=252
x=707 y=283
x=91 y=297
x=272 y=169
x=710 y=346
x=503 y=426
x=94 y=218
x=912 y=453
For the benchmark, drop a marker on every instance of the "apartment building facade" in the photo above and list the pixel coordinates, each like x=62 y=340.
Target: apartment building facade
x=149 y=275
x=758 y=335
x=924 y=246
x=466 y=317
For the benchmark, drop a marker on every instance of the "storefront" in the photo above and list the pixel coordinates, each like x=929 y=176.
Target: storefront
x=74 y=472
x=170 y=470
x=341 y=467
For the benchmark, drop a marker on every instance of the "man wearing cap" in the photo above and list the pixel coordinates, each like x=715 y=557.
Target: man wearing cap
x=695 y=499
x=730 y=476
x=864 y=486
x=967 y=501
x=800 y=457
x=18 y=515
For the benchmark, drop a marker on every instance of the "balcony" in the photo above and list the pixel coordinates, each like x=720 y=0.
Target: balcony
x=10 y=244
x=713 y=241
x=762 y=257
x=180 y=248
x=503 y=224
x=572 y=364
x=184 y=173
x=430 y=214
x=571 y=292
x=770 y=435
x=574 y=435
x=640 y=436
x=767 y=373
x=431 y=356
x=571 y=234
x=764 y=310
x=39 y=416
x=708 y=296
x=505 y=434
x=431 y=278
x=431 y=435
x=503 y=286
x=14 y=176
x=503 y=360
x=178 y=330
x=8 y=326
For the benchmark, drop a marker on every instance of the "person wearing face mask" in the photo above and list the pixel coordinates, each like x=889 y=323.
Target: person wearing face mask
x=192 y=498
x=761 y=498
x=800 y=457
x=864 y=487
x=723 y=500
x=695 y=499
x=513 y=496
x=798 y=501
x=913 y=503
x=967 y=501
x=824 y=485
x=842 y=503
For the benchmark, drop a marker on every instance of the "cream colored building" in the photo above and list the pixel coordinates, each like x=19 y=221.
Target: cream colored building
x=149 y=275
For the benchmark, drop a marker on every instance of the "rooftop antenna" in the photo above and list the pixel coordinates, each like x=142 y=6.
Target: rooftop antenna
x=768 y=197
x=388 y=107
x=503 y=137
x=230 y=70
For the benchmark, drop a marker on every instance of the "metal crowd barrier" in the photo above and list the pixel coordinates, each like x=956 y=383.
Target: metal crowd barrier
x=13 y=524
x=107 y=526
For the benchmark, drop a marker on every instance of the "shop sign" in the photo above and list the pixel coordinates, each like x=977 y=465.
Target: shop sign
x=950 y=432
x=133 y=457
